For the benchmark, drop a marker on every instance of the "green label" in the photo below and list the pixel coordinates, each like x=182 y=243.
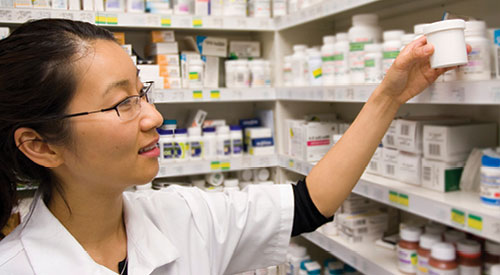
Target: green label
x=328 y=58
x=358 y=46
x=390 y=55
x=370 y=63
x=338 y=57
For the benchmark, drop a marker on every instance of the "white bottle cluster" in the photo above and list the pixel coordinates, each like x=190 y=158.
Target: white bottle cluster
x=248 y=73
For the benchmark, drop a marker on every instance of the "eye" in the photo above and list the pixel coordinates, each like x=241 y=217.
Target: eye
x=126 y=104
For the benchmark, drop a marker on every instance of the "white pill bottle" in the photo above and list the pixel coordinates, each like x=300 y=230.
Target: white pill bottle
x=478 y=65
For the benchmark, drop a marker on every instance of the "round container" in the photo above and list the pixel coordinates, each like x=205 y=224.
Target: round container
x=469 y=257
x=491 y=256
x=443 y=259
x=260 y=8
x=195 y=143
x=223 y=142
x=166 y=144
x=327 y=57
x=200 y=183
x=448 y=40
x=214 y=179
x=390 y=48
x=490 y=181
x=181 y=145
x=407 y=249
x=287 y=71
x=373 y=63
x=231 y=185
x=246 y=175
x=261 y=174
x=300 y=66
x=453 y=236
x=169 y=124
x=195 y=69
x=478 y=66
x=406 y=39
x=258 y=78
x=314 y=67
x=210 y=143
x=424 y=251
x=341 y=59
x=435 y=228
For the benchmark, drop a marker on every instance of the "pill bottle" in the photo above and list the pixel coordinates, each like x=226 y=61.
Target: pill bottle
x=407 y=249
x=341 y=58
x=300 y=66
x=223 y=142
x=181 y=146
x=169 y=124
x=328 y=66
x=435 y=228
x=260 y=8
x=478 y=60
x=406 y=39
x=231 y=185
x=241 y=74
x=230 y=66
x=287 y=71
x=166 y=144
x=261 y=174
x=443 y=260
x=490 y=180
x=267 y=74
x=373 y=63
x=453 y=236
x=236 y=136
x=216 y=7
x=491 y=256
x=280 y=8
x=258 y=78
x=214 y=179
x=210 y=143
x=448 y=40
x=424 y=251
x=195 y=69
x=364 y=30
x=196 y=146
x=235 y=8
x=245 y=175
x=391 y=47
x=469 y=257
x=315 y=67
x=296 y=254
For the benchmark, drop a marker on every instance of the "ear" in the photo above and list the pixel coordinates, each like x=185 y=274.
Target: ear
x=36 y=149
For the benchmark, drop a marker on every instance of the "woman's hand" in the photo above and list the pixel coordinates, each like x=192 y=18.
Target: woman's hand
x=411 y=72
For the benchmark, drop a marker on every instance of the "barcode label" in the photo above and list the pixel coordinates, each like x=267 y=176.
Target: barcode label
x=434 y=149
x=390 y=169
x=405 y=130
x=426 y=174
x=390 y=140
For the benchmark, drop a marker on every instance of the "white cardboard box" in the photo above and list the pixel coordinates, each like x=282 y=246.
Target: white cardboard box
x=441 y=176
x=409 y=168
x=389 y=140
x=295 y=136
x=212 y=72
x=148 y=71
x=164 y=48
x=369 y=218
x=317 y=139
x=389 y=163
x=375 y=165
x=260 y=141
x=186 y=58
x=244 y=49
x=454 y=143
x=212 y=46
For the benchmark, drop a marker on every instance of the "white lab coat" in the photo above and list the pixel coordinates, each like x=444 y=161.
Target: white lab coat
x=179 y=231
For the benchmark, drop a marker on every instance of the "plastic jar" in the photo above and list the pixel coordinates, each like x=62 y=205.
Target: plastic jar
x=210 y=143
x=214 y=179
x=287 y=71
x=257 y=73
x=231 y=185
x=373 y=63
x=406 y=39
x=230 y=66
x=328 y=66
x=469 y=257
x=236 y=136
x=267 y=74
x=223 y=142
x=315 y=67
x=391 y=47
x=491 y=256
x=196 y=146
x=418 y=30
x=443 y=260
x=195 y=69
x=448 y=40
x=181 y=145
x=300 y=72
x=296 y=254
x=490 y=180
x=478 y=65
x=424 y=251
x=341 y=59
x=454 y=236
x=435 y=228
x=407 y=249
x=166 y=143
x=261 y=175
x=235 y=7
x=246 y=175
x=241 y=74
x=364 y=31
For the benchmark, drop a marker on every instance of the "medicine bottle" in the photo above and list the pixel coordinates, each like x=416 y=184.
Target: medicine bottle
x=169 y=124
x=267 y=74
x=258 y=78
x=373 y=63
x=223 y=142
x=235 y=8
x=490 y=178
x=195 y=143
x=435 y=228
x=231 y=185
x=296 y=254
x=491 y=256
x=443 y=259
x=302 y=268
x=364 y=31
x=315 y=67
x=210 y=143
x=246 y=175
x=242 y=74
x=261 y=174
x=195 y=69
x=341 y=58
x=214 y=179
x=236 y=136
x=407 y=249
x=300 y=66
x=424 y=252
x=183 y=6
x=453 y=236
x=280 y=8
x=287 y=71
x=391 y=47
x=230 y=66
x=216 y=7
x=181 y=145
x=328 y=66
x=469 y=257
x=478 y=66
x=260 y=8
x=166 y=143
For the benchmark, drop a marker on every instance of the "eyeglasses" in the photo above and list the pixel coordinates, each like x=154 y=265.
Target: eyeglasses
x=127 y=109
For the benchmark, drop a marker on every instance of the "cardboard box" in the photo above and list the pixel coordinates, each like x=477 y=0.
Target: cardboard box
x=211 y=46
x=441 y=176
x=201 y=7
x=317 y=139
x=260 y=141
x=196 y=118
x=172 y=83
x=167 y=59
x=389 y=163
x=409 y=168
x=496 y=51
x=244 y=49
x=360 y=220
x=162 y=36
x=170 y=71
x=295 y=136
x=389 y=140
x=148 y=71
x=454 y=143
x=164 y=48
x=186 y=58
x=376 y=163
x=212 y=71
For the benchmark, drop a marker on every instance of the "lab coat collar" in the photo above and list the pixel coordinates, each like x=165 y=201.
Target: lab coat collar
x=51 y=249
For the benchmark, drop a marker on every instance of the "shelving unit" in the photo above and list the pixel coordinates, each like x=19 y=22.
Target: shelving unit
x=214 y=95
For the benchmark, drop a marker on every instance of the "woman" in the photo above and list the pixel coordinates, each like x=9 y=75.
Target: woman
x=76 y=119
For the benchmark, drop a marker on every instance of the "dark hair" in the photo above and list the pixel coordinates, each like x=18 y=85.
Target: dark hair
x=37 y=83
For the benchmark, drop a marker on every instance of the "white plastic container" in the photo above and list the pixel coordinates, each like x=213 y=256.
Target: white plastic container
x=425 y=243
x=261 y=175
x=287 y=71
x=181 y=145
x=406 y=256
x=236 y=136
x=258 y=76
x=406 y=39
x=235 y=8
x=300 y=72
x=230 y=66
x=314 y=67
x=373 y=63
x=260 y=8
x=495 y=269
x=214 y=179
x=327 y=56
x=448 y=40
x=196 y=146
x=166 y=144
x=418 y=30
x=341 y=58
x=201 y=7
x=296 y=254
x=231 y=185
x=364 y=31
x=490 y=180
x=210 y=143
x=280 y=8
x=241 y=74
x=223 y=142
x=391 y=47
x=479 y=59
x=443 y=252
x=468 y=249
x=267 y=74
x=195 y=69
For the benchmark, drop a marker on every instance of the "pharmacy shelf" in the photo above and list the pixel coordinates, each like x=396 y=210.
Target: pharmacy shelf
x=365 y=257
x=485 y=92
x=194 y=167
x=214 y=95
x=462 y=210
x=140 y=20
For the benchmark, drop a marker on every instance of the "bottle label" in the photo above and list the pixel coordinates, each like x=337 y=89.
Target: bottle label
x=435 y=271
x=317 y=73
x=237 y=146
x=196 y=149
x=357 y=54
x=328 y=58
x=369 y=63
x=168 y=150
x=262 y=142
x=423 y=265
x=180 y=150
x=227 y=147
x=469 y=270
x=407 y=260
x=478 y=61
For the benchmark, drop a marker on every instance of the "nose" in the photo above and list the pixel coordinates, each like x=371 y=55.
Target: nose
x=150 y=117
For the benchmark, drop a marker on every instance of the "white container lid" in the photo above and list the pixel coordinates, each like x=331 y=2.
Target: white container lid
x=313 y=52
x=427 y=240
x=495 y=269
x=373 y=48
x=231 y=182
x=444 y=26
x=418 y=29
x=443 y=251
x=329 y=39
x=453 y=236
x=299 y=48
x=342 y=36
x=223 y=130
x=410 y=233
x=365 y=19
x=246 y=175
x=475 y=28
x=214 y=179
x=435 y=228
x=194 y=131
x=393 y=35
x=492 y=248
x=407 y=38
x=262 y=174
x=469 y=247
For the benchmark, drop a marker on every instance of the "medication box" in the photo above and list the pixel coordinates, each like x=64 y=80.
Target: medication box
x=317 y=139
x=196 y=118
x=148 y=71
x=186 y=58
x=375 y=165
x=372 y=218
x=164 y=48
x=167 y=59
x=212 y=46
x=127 y=48
x=454 y=143
x=244 y=49
x=390 y=163
x=409 y=168
x=441 y=176
x=212 y=71
x=162 y=36
x=170 y=71
x=295 y=137
x=389 y=140
x=260 y=141
x=119 y=37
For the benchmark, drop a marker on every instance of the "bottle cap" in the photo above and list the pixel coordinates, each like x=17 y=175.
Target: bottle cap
x=209 y=130
x=235 y=128
x=231 y=182
x=342 y=36
x=427 y=240
x=444 y=25
x=393 y=35
x=410 y=233
x=329 y=39
x=418 y=29
x=443 y=251
x=469 y=247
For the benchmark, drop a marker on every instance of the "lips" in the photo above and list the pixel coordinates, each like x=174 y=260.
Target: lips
x=151 y=146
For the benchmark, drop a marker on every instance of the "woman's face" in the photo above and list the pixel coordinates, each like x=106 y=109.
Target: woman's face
x=107 y=151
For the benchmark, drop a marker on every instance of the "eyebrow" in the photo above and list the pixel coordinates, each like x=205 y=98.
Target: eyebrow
x=125 y=83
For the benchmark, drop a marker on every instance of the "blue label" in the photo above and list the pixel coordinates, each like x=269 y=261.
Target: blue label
x=489 y=201
x=168 y=150
x=262 y=142
x=496 y=37
x=196 y=149
x=237 y=146
x=227 y=147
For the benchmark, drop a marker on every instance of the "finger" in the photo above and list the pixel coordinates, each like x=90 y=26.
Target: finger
x=417 y=52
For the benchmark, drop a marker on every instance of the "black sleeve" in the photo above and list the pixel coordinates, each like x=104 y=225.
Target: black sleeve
x=306 y=217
